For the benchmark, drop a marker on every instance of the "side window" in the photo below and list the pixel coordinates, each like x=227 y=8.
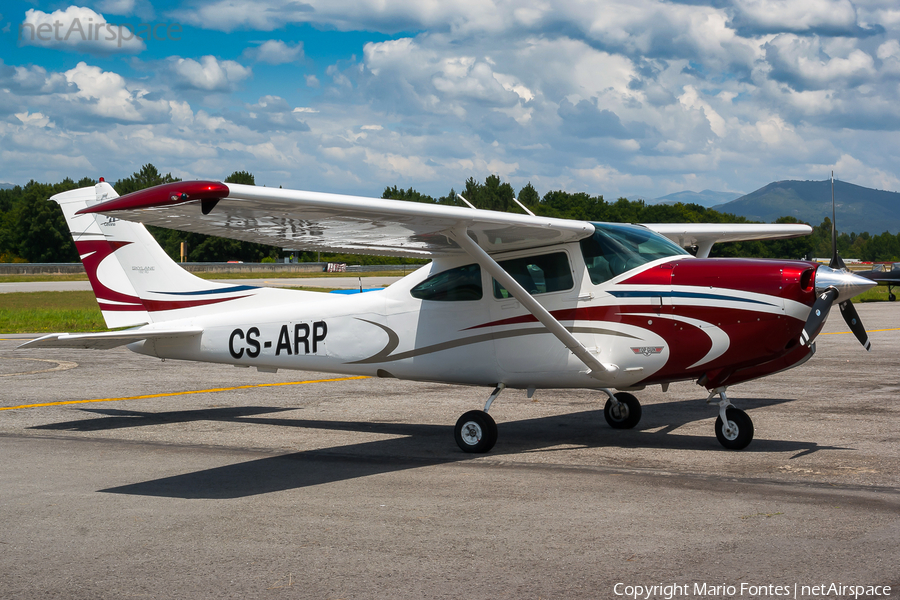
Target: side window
x=538 y=274
x=455 y=285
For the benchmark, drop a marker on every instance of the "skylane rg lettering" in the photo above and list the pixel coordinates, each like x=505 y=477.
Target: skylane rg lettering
x=302 y=337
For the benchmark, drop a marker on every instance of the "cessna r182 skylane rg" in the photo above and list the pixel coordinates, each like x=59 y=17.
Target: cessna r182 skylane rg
x=509 y=301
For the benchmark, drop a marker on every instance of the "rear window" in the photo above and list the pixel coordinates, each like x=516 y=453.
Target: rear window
x=455 y=285
x=537 y=274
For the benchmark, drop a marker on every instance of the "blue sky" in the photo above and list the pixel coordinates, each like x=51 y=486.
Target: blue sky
x=624 y=97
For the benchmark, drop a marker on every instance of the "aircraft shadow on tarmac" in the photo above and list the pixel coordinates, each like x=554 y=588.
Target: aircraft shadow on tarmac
x=421 y=445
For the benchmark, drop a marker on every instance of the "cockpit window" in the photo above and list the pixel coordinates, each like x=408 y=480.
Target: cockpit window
x=617 y=248
x=455 y=285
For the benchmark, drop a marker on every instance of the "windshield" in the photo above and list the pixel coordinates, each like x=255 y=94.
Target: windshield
x=615 y=248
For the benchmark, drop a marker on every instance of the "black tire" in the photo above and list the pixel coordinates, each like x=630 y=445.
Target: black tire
x=475 y=431
x=736 y=440
x=629 y=414
x=891 y=297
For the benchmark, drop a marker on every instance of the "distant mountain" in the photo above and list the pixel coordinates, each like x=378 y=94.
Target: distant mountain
x=706 y=198
x=7 y=186
x=859 y=209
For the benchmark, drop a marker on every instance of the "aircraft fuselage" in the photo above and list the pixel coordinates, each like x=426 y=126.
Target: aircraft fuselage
x=719 y=321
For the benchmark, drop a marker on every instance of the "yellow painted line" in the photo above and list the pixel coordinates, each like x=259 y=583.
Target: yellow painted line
x=867 y=331
x=227 y=389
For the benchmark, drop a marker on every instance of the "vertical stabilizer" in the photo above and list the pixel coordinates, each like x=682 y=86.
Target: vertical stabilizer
x=118 y=300
x=135 y=281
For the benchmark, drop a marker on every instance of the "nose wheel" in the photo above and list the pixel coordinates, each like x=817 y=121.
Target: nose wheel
x=736 y=432
x=734 y=428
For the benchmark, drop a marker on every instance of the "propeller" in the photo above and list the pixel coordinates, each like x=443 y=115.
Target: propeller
x=820 y=309
x=848 y=311
x=832 y=283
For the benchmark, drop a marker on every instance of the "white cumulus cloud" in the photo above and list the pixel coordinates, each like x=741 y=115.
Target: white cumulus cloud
x=209 y=74
x=275 y=52
x=79 y=29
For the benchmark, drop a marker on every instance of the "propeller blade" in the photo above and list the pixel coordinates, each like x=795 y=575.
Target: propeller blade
x=848 y=311
x=820 y=309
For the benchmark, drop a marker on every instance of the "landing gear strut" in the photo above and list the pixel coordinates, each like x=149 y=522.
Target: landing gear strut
x=476 y=431
x=734 y=428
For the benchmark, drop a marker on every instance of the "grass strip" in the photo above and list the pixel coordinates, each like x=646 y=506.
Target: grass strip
x=49 y=312
x=876 y=294
x=57 y=312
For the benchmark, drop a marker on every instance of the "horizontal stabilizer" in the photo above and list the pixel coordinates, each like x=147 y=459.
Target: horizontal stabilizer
x=107 y=339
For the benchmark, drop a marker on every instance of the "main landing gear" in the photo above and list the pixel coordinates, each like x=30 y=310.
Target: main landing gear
x=622 y=410
x=476 y=431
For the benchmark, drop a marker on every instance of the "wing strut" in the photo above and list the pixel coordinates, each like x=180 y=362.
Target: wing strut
x=596 y=369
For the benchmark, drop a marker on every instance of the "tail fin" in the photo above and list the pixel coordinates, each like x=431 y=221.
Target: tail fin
x=134 y=280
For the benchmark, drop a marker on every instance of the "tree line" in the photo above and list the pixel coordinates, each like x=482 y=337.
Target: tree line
x=34 y=230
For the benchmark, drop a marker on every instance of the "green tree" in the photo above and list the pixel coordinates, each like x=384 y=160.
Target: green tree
x=491 y=195
x=529 y=196
x=411 y=195
x=243 y=177
x=35 y=229
x=147 y=177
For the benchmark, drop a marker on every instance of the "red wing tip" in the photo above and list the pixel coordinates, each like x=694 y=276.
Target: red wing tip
x=167 y=194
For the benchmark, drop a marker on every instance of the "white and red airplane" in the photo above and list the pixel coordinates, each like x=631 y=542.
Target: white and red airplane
x=509 y=301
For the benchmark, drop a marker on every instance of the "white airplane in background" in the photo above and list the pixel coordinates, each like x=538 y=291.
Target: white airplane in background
x=508 y=301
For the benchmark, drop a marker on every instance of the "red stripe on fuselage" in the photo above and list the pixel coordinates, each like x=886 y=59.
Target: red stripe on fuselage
x=160 y=305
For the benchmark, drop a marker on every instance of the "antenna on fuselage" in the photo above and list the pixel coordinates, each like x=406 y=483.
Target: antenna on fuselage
x=836 y=262
x=827 y=295
x=466 y=201
x=522 y=206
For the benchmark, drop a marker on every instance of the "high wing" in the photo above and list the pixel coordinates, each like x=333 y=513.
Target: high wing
x=311 y=221
x=704 y=235
x=299 y=220
x=107 y=339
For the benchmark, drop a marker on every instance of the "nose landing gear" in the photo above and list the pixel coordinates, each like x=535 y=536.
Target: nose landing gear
x=734 y=428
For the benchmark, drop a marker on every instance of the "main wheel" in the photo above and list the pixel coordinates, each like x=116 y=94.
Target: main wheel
x=740 y=432
x=624 y=416
x=476 y=431
x=891 y=297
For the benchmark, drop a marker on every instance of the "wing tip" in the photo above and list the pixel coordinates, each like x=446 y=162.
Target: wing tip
x=167 y=194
